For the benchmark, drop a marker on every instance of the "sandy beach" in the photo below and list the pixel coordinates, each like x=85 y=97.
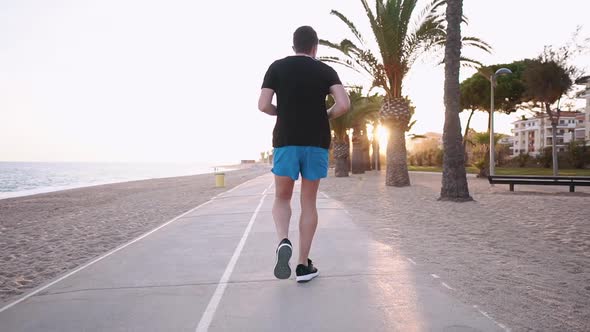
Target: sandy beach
x=43 y=236
x=522 y=257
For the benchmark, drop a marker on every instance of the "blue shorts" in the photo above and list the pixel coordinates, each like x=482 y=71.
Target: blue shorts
x=310 y=161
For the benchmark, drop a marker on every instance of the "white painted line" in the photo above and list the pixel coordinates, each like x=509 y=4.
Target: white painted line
x=267 y=188
x=447 y=286
x=435 y=276
x=412 y=261
x=69 y=274
x=485 y=314
x=216 y=298
x=324 y=194
x=42 y=288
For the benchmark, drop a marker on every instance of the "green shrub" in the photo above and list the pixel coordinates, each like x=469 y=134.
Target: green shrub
x=576 y=154
x=522 y=160
x=430 y=157
x=545 y=158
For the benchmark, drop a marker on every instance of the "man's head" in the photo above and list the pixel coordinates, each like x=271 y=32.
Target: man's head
x=305 y=40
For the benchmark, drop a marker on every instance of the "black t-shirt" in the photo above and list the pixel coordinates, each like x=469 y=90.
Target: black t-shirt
x=301 y=84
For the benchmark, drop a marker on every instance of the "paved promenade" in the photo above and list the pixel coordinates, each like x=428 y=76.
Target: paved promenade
x=211 y=269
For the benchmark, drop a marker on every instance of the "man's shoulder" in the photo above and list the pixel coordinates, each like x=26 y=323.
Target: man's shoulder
x=322 y=64
x=280 y=62
x=300 y=60
x=325 y=66
x=299 y=63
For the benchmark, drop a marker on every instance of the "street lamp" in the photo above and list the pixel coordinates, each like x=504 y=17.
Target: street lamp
x=499 y=72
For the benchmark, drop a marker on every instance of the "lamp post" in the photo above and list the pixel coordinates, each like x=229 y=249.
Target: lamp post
x=499 y=72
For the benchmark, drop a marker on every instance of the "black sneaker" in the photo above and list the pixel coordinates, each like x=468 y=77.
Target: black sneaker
x=306 y=273
x=284 y=252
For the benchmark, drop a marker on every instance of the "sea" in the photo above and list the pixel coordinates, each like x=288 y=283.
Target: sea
x=29 y=178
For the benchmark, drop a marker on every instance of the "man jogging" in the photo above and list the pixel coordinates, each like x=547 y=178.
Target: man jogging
x=301 y=139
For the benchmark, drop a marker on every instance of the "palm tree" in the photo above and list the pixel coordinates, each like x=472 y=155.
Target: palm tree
x=402 y=36
x=361 y=109
x=454 y=179
x=482 y=143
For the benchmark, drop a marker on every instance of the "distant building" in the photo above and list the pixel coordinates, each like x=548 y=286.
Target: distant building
x=532 y=135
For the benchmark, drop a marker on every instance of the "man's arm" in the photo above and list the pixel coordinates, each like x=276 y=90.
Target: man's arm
x=342 y=103
x=265 y=101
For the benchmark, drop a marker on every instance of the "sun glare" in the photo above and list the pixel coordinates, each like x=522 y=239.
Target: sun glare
x=382 y=135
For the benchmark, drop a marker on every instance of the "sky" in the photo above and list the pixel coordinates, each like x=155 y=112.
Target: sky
x=178 y=80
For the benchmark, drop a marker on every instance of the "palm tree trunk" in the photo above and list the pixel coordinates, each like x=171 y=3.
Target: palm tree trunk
x=358 y=164
x=341 y=167
x=350 y=150
x=397 y=163
x=454 y=180
x=366 y=152
x=485 y=171
x=341 y=153
x=357 y=152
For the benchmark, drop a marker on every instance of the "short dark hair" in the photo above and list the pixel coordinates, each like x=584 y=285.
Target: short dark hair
x=304 y=39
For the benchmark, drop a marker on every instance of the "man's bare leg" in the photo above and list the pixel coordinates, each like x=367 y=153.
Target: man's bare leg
x=309 y=218
x=281 y=210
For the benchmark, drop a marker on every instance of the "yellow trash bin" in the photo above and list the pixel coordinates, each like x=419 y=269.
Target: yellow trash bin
x=219 y=180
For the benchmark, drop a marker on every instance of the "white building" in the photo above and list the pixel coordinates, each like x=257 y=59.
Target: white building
x=532 y=135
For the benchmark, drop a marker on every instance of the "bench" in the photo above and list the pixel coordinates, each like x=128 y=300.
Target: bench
x=571 y=181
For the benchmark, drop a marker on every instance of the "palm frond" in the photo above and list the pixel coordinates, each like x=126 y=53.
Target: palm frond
x=350 y=25
x=437 y=4
x=426 y=13
x=377 y=30
x=390 y=15
x=387 y=26
x=426 y=39
x=359 y=60
x=477 y=43
x=362 y=109
x=349 y=46
x=416 y=136
x=406 y=10
x=335 y=46
x=346 y=63
x=470 y=63
x=411 y=124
